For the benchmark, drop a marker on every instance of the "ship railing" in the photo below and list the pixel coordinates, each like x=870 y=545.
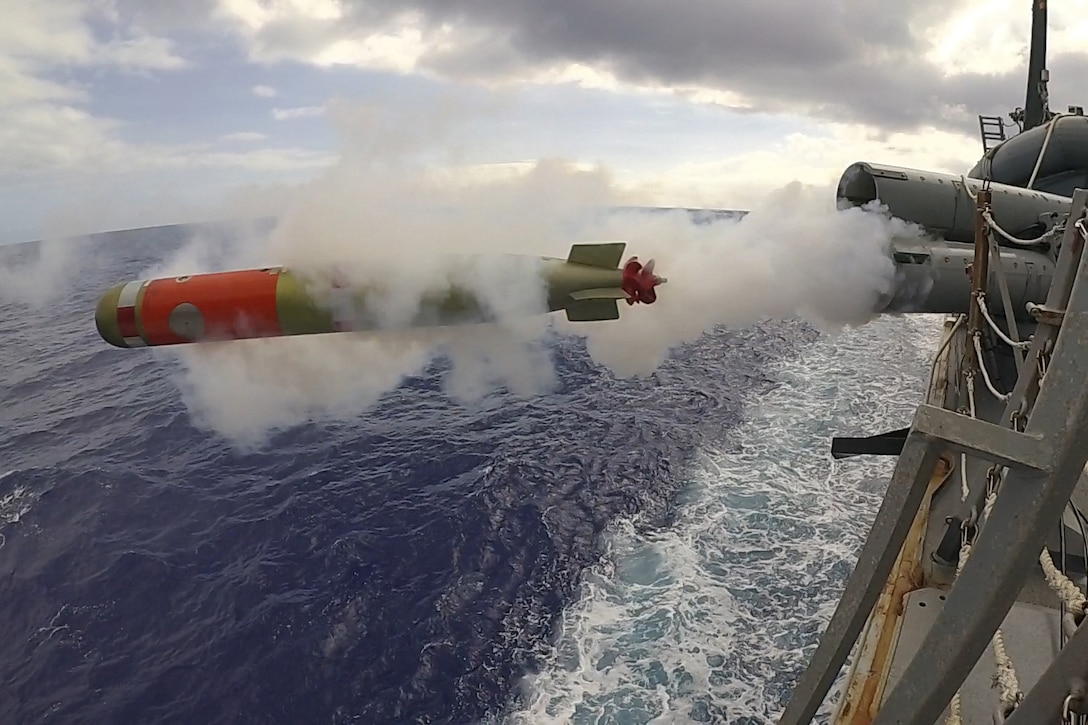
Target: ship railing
x=1043 y=452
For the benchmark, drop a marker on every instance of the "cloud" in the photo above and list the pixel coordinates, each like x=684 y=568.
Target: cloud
x=140 y=53
x=60 y=151
x=265 y=159
x=39 y=34
x=243 y=137
x=44 y=125
x=288 y=114
x=816 y=158
x=899 y=66
x=38 y=136
x=895 y=82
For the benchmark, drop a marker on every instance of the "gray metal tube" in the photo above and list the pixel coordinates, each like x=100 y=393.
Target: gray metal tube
x=933 y=277
x=940 y=203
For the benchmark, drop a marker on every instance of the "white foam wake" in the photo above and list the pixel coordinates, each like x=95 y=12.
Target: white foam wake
x=14 y=504
x=714 y=618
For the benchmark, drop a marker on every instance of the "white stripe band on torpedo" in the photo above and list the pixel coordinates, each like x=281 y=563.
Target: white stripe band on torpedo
x=129 y=293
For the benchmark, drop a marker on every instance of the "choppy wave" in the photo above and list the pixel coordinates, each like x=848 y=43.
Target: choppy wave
x=713 y=618
x=413 y=563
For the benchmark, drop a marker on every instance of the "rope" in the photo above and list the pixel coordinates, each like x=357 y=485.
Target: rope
x=1043 y=238
x=981 y=299
x=1067 y=591
x=955 y=713
x=1003 y=397
x=965 y=488
x=1008 y=686
x=955 y=710
x=1042 y=152
x=967 y=188
x=988 y=505
x=971 y=392
x=994 y=250
x=1009 y=694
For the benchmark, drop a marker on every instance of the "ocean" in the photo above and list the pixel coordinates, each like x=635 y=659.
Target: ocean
x=657 y=549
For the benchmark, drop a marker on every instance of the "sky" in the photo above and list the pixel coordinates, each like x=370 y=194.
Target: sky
x=124 y=113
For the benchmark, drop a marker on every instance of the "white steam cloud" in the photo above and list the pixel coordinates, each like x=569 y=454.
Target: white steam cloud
x=383 y=216
x=794 y=255
x=36 y=274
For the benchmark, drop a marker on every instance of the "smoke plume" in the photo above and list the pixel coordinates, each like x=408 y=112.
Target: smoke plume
x=385 y=215
x=36 y=274
x=793 y=255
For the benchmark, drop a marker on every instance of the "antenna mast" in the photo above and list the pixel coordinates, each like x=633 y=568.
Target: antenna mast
x=1035 y=106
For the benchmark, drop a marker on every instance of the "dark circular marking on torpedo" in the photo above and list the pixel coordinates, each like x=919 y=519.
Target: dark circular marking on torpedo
x=186 y=322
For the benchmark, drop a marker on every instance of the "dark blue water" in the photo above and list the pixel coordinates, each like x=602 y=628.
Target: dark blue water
x=406 y=566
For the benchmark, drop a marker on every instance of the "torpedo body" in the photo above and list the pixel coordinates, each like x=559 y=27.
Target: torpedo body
x=275 y=301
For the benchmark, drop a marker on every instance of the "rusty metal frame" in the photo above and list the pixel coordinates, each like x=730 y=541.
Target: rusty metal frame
x=1045 y=462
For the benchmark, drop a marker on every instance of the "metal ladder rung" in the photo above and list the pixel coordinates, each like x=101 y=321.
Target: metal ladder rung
x=992 y=129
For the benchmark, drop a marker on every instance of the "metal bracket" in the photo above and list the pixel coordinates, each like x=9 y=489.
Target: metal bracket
x=983 y=439
x=1031 y=500
x=1046 y=316
x=1045 y=463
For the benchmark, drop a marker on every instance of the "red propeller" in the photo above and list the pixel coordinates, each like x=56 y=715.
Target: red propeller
x=639 y=281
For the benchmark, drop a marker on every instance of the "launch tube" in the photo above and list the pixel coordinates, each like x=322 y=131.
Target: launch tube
x=933 y=275
x=941 y=204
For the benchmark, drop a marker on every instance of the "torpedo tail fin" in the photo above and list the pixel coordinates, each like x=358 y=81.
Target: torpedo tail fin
x=606 y=255
x=593 y=310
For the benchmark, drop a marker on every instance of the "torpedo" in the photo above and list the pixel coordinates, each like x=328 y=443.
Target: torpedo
x=279 y=302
